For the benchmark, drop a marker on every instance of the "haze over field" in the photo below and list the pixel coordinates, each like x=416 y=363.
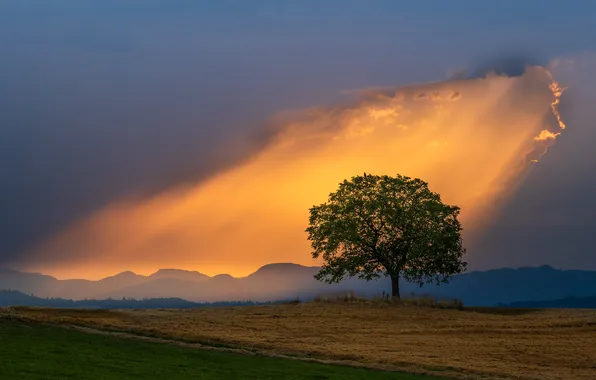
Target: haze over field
x=282 y=282
x=203 y=145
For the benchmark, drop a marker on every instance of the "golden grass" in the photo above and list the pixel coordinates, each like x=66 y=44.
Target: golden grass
x=469 y=343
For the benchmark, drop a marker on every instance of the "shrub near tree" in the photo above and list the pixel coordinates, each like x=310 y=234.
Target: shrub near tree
x=375 y=226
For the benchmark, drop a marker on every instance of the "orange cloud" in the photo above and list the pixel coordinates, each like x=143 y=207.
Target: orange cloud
x=470 y=139
x=546 y=135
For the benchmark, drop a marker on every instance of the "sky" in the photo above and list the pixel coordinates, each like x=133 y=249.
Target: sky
x=115 y=114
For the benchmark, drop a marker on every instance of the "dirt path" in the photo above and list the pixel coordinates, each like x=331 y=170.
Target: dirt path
x=402 y=369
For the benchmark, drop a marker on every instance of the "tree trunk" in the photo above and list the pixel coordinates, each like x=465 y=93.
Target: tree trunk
x=395 y=286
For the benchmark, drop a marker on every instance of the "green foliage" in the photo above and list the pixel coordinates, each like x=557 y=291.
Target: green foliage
x=381 y=225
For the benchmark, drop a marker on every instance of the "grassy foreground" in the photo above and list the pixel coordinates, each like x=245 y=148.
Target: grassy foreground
x=467 y=344
x=42 y=352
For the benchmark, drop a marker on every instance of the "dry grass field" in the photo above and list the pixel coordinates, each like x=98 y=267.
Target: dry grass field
x=469 y=343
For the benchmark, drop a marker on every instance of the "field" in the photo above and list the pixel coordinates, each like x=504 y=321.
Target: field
x=30 y=352
x=466 y=344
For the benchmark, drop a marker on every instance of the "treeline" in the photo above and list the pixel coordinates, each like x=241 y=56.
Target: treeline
x=16 y=298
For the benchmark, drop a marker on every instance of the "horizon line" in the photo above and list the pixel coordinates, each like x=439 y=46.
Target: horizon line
x=252 y=273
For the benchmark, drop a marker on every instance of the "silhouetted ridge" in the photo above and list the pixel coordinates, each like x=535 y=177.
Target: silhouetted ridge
x=222 y=277
x=179 y=274
x=563 y=303
x=283 y=268
x=291 y=281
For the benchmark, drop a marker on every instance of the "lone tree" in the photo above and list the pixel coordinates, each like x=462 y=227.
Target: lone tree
x=381 y=225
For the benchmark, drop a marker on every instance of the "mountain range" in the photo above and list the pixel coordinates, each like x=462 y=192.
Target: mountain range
x=563 y=303
x=290 y=281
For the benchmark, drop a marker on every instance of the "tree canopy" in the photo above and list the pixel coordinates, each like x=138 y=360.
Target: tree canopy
x=375 y=226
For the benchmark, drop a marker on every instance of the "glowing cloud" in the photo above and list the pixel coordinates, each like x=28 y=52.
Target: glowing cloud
x=470 y=139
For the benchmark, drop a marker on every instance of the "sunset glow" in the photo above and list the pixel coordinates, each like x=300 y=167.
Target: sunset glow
x=471 y=140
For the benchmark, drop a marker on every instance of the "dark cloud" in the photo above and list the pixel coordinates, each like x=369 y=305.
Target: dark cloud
x=552 y=217
x=103 y=99
x=509 y=64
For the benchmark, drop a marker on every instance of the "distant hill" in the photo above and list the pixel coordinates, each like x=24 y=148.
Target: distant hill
x=515 y=285
x=179 y=274
x=290 y=281
x=47 y=286
x=270 y=282
x=563 y=303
